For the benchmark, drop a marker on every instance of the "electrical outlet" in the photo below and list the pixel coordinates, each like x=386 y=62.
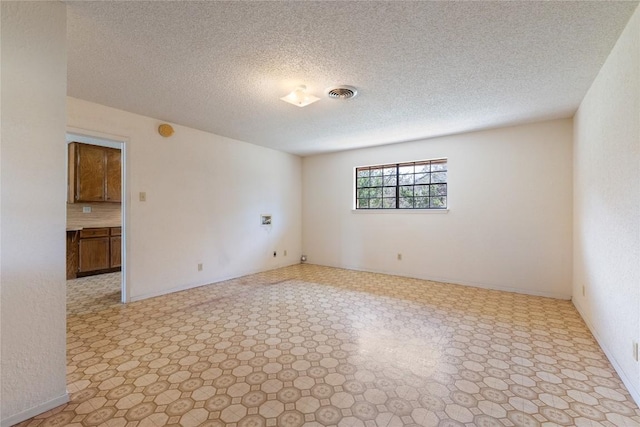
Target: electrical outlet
x=635 y=351
x=200 y=266
x=285 y=253
x=143 y=196
x=86 y=209
x=399 y=257
x=275 y=254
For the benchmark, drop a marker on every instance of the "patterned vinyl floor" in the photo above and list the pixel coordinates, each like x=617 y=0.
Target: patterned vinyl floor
x=319 y=346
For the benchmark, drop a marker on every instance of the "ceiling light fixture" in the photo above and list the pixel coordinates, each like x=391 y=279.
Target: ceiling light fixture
x=165 y=130
x=300 y=97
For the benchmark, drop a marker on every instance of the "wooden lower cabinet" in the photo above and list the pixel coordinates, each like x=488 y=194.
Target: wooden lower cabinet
x=94 y=254
x=93 y=251
x=72 y=254
x=116 y=252
x=116 y=247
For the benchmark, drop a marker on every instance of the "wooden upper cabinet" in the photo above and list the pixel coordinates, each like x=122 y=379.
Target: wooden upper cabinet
x=95 y=173
x=90 y=172
x=114 y=175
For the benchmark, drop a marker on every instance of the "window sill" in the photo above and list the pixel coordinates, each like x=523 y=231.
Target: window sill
x=400 y=211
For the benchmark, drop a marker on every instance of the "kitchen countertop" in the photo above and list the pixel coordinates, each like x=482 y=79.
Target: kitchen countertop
x=80 y=227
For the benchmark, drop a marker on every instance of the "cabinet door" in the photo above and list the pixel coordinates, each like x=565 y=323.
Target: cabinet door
x=94 y=232
x=93 y=254
x=72 y=254
x=114 y=175
x=90 y=173
x=116 y=251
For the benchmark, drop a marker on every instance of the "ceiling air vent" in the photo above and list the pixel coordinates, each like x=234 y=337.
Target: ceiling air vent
x=342 y=92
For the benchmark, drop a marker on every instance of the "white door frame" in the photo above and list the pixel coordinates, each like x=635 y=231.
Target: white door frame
x=124 y=140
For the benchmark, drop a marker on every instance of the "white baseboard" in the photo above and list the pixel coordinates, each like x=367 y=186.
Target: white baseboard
x=631 y=387
x=492 y=287
x=208 y=282
x=36 y=410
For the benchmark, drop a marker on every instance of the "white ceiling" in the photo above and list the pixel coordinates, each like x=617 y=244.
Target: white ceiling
x=423 y=69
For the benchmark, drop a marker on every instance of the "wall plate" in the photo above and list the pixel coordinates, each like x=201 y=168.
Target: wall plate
x=265 y=220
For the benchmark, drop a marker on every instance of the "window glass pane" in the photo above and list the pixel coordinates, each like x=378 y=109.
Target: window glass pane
x=363 y=182
x=423 y=168
x=421 y=190
x=406 y=169
x=376 y=181
x=406 y=202
x=375 y=192
x=438 y=177
x=389 y=203
x=423 y=178
x=389 y=192
x=375 y=203
x=376 y=172
x=390 y=180
x=421 y=202
x=438 y=189
x=390 y=171
x=438 y=166
x=363 y=204
x=363 y=193
x=438 y=202
x=406 y=191
x=362 y=173
x=406 y=179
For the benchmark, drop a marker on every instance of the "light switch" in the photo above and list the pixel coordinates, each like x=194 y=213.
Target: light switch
x=143 y=196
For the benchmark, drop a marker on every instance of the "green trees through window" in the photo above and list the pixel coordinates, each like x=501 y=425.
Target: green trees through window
x=413 y=185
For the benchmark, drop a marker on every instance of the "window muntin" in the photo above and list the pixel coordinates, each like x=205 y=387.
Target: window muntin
x=411 y=185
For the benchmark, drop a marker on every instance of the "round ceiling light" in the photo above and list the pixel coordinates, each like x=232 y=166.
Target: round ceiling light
x=342 y=92
x=165 y=130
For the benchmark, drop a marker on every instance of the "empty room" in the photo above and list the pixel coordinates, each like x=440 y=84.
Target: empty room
x=309 y=213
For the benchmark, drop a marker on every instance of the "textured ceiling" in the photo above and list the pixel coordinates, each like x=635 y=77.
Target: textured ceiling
x=422 y=69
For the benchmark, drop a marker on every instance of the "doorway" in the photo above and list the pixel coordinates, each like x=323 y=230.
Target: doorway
x=96 y=225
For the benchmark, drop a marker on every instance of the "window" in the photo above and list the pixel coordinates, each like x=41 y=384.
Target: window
x=413 y=185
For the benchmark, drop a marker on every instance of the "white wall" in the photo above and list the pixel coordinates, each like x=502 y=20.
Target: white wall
x=205 y=194
x=32 y=213
x=509 y=223
x=607 y=205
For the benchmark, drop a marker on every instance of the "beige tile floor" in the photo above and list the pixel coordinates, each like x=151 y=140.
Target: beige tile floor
x=310 y=345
